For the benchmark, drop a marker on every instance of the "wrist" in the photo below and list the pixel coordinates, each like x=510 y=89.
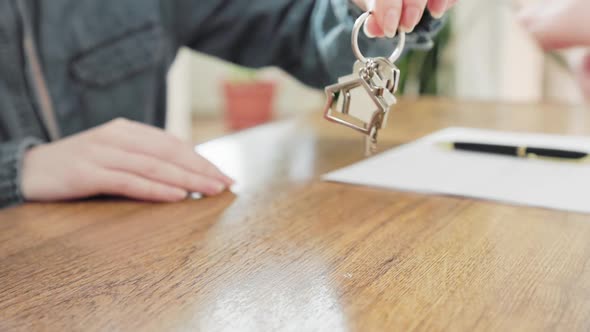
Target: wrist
x=11 y=165
x=27 y=177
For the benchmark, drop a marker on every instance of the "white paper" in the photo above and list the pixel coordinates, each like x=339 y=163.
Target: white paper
x=425 y=167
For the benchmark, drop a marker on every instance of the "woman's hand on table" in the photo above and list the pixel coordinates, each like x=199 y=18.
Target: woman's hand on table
x=122 y=158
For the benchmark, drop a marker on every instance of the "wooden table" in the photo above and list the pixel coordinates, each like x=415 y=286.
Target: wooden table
x=289 y=252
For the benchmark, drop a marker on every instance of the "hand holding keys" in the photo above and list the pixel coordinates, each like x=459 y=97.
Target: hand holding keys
x=376 y=77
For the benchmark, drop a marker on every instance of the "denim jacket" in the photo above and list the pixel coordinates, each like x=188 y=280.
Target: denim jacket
x=68 y=65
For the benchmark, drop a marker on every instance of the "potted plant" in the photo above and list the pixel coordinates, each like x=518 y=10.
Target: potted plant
x=249 y=100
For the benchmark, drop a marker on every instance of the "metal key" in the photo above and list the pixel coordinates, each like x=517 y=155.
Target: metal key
x=390 y=75
x=378 y=78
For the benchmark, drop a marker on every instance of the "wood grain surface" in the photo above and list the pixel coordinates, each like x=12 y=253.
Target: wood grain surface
x=285 y=251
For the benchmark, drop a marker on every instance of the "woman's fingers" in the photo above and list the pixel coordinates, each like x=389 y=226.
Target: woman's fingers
x=169 y=148
x=372 y=28
x=393 y=15
x=143 y=139
x=437 y=8
x=157 y=170
x=133 y=186
x=388 y=14
x=411 y=14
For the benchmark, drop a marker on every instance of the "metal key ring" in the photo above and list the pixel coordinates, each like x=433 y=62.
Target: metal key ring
x=355 y=43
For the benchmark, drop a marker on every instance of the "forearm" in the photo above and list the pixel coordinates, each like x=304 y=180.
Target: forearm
x=310 y=39
x=11 y=157
x=252 y=33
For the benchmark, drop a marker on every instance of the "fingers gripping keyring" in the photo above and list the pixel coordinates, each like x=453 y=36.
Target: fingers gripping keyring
x=358 y=24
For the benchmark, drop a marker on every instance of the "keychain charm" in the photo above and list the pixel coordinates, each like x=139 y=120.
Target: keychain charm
x=377 y=78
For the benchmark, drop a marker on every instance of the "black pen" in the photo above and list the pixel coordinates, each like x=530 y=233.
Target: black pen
x=518 y=151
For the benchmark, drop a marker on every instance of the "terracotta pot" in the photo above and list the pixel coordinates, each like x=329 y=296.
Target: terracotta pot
x=248 y=104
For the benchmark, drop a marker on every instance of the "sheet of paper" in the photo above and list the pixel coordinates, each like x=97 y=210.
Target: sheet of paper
x=423 y=166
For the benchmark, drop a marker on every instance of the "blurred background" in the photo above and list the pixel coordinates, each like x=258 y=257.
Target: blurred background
x=482 y=54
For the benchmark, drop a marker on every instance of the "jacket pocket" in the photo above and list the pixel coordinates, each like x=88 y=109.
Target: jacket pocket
x=121 y=76
x=119 y=58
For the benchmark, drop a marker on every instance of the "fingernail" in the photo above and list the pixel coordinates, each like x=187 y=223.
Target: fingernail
x=226 y=180
x=230 y=181
x=410 y=19
x=391 y=22
x=439 y=13
x=367 y=33
x=219 y=187
x=178 y=194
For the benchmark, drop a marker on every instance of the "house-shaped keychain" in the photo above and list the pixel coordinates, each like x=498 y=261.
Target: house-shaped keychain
x=376 y=89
